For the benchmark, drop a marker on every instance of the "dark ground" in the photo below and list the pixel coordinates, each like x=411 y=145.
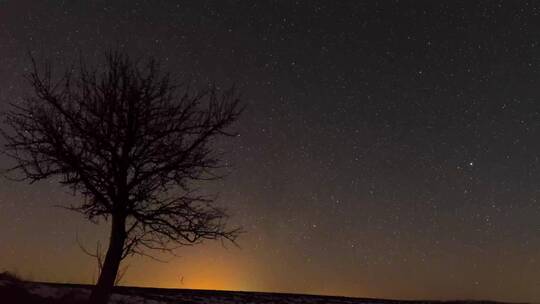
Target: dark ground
x=14 y=291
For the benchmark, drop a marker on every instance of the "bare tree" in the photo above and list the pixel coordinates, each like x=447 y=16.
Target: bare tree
x=134 y=144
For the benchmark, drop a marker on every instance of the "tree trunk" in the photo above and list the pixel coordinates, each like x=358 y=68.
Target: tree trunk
x=102 y=290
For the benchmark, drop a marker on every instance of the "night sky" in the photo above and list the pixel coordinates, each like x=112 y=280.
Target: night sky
x=389 y=148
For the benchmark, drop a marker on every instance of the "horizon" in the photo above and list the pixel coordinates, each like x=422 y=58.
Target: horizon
x=286 y=293
x=389 y=149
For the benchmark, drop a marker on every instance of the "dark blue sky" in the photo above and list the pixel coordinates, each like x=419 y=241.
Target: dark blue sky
x=389 y=148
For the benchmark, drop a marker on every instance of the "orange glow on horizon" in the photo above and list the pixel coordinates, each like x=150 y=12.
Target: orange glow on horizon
x=196 y=272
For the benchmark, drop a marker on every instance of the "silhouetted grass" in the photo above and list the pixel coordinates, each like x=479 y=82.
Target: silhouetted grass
x=13 y=290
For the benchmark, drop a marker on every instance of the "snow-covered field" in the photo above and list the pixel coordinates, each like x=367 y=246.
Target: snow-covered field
x=73 y=293
x=129 y=295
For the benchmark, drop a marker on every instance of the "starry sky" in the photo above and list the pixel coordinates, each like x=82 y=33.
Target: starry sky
x=389 y=148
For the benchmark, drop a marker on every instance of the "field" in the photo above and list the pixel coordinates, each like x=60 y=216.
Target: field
x=13 y=290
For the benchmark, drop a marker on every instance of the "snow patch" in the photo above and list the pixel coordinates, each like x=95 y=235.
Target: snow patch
x=47 y=291
x=131 y=299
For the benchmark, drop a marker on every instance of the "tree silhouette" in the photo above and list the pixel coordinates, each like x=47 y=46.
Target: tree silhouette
x=134 y=144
